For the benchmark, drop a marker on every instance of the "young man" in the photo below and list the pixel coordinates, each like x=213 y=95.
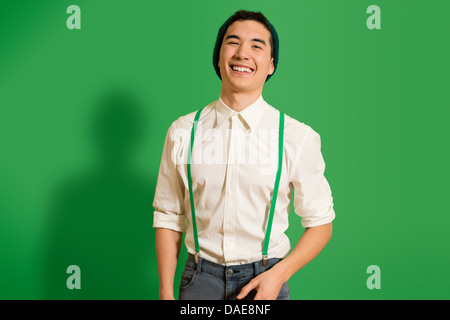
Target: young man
x=226 y=177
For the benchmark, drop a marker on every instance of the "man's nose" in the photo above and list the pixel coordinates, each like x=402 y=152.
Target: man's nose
x=242 y=52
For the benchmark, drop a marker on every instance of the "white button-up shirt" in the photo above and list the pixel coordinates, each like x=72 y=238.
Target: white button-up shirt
x=234 y=164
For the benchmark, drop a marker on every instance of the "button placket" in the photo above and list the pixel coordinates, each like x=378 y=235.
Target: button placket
x=230 y=205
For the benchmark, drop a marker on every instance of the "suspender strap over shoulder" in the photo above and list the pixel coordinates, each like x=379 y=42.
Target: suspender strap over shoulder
x=191 y=192
x=274 y=196
x=275 y=189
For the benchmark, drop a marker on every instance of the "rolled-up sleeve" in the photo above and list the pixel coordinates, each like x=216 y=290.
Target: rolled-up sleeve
x=313 y=201
x=169 y=194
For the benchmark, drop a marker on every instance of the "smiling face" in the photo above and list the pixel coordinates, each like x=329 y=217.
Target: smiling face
x=245 y=57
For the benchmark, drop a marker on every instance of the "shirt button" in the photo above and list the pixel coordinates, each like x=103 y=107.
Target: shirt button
x=229 y=272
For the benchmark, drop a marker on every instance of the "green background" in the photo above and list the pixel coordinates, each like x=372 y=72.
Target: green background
x=84 y=114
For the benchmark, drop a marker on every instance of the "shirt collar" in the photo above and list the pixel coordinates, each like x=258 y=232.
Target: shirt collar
x=251 y=115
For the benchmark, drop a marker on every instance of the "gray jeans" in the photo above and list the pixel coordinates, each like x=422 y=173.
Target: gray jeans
x=211 y=281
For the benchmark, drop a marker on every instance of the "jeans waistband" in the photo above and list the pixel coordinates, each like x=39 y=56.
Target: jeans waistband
x=221 y=271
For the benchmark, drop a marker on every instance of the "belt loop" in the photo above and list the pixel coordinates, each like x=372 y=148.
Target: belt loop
x=256 y=268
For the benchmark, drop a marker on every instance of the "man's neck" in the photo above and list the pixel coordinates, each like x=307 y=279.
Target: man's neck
x=238 y=101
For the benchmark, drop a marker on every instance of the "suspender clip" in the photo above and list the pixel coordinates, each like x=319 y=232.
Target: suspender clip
x=265 y=262
x=196 y=257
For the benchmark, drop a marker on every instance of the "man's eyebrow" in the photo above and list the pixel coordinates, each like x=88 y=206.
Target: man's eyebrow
x=233 y=36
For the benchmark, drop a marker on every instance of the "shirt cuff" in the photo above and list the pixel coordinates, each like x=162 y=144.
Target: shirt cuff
x=175 y=222
x=309 y=222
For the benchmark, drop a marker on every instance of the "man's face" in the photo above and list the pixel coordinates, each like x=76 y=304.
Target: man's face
x=245 y=45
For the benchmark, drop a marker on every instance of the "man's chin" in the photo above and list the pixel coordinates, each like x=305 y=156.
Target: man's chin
x=239 y=82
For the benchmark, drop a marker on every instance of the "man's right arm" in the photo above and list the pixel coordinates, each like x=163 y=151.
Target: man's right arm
x=168 y=244
x=169 y=217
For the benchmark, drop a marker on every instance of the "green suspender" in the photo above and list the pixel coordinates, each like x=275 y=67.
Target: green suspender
x=275 y=189
x=191 y=192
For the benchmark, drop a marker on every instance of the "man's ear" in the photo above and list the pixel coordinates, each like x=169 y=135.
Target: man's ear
x=271 y=68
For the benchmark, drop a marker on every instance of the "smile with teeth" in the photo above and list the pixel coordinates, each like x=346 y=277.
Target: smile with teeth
x=241 y=69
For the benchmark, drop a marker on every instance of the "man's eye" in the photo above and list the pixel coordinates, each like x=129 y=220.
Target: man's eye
x=257 y=47
x=232 y=42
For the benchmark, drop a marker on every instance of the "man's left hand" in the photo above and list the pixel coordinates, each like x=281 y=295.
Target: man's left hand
x=267 y=284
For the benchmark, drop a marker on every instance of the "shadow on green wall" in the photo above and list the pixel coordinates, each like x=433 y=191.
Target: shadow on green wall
x=101 y=218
